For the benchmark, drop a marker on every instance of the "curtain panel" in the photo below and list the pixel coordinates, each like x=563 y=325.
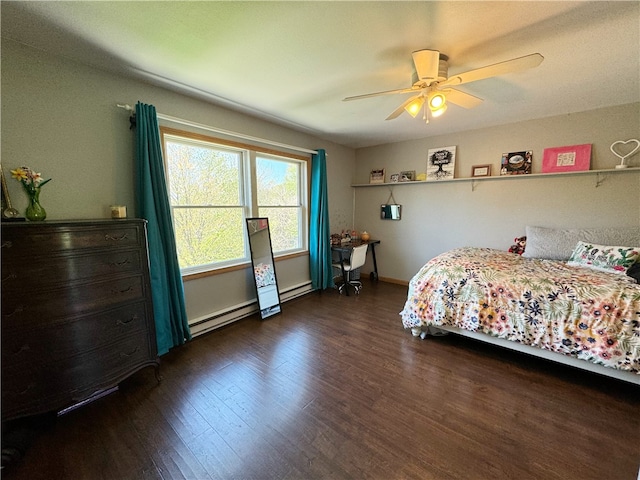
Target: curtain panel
x=172 y=327
x=319 y=232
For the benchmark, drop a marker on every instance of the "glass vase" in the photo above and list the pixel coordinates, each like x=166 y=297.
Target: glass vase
x=35 y=212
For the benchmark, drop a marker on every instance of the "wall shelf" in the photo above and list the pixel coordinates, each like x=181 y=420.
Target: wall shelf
x=503 y=177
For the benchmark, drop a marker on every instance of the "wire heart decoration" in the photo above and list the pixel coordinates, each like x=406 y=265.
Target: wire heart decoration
x=624 y=157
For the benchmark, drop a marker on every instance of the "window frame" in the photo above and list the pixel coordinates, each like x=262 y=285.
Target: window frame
x=248 y=185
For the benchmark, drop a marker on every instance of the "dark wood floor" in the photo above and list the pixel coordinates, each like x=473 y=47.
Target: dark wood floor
x=335 y=388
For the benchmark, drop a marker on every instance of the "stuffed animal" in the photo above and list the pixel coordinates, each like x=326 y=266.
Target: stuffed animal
x=518 y=248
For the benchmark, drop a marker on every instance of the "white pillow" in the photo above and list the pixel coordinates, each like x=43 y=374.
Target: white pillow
x=604 y=258
x=558 y=244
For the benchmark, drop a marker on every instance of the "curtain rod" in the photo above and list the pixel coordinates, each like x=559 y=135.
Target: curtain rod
x=189 y=123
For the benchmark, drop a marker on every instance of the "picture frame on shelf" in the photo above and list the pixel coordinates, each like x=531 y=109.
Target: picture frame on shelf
x=395 y=178
x=572 y=158
x=441 y=163
x=377 y=176
x=516 y=163
x=481 y=170
x=408 y=176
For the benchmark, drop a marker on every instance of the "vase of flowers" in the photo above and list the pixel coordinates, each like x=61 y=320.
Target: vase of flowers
x=32 y=183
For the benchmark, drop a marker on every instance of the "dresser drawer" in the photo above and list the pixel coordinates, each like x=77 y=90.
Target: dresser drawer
x=35 y=307
x=52 y=341
x=61 y=384
x=16 y=273
x=47 y=239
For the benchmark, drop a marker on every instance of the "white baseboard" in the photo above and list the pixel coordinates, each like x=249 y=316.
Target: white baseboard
x=201 y=325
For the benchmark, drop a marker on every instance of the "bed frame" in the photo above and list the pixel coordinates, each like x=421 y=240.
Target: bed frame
x=625 y=376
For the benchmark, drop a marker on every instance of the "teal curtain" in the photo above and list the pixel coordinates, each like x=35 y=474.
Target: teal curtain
x=172 y=327
x=320 y=232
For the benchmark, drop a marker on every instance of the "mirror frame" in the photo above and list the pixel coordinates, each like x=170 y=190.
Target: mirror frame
x=268 y=296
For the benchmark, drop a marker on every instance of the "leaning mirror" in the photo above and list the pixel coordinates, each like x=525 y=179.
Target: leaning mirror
x=264 y=272
x=390 y=212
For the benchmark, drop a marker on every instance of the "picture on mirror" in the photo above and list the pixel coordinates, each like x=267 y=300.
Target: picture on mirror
x=264 y=273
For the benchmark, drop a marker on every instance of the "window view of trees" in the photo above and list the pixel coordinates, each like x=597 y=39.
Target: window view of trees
x=278 y=188
x=206 y=198
x=209 y=192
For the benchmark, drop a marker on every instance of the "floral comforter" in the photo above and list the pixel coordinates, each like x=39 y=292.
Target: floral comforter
x=575 y=311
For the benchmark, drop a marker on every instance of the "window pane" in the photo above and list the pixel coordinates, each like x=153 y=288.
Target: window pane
x=284 y=226
x=208 y=235
x=201 y=175
x=278 y=182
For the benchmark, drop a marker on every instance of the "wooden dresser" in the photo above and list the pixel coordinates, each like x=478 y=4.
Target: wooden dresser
x=77 y=315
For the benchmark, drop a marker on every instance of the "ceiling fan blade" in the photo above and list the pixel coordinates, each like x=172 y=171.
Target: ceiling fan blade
x=398 y=111
x=502 y=68
x=386 y=92
x=426 y=62
x=465 y=100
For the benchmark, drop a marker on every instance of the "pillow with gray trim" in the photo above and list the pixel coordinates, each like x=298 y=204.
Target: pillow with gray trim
x=558 y=244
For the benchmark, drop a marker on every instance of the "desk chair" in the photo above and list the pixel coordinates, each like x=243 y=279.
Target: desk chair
x=356 y=260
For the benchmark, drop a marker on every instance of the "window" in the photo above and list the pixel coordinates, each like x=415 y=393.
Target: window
x=214 y=186
x=278 y=188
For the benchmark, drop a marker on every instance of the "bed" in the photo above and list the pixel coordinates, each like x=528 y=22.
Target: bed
x=583 y=310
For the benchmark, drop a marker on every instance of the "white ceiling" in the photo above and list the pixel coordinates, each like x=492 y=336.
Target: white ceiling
x=294 y=62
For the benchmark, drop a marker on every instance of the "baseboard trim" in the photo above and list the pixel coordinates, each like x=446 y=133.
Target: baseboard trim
x=202 y=325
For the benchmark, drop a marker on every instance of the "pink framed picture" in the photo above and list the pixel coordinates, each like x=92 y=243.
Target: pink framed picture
x=573 y=158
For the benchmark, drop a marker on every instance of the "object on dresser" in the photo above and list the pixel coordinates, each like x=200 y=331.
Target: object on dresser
x=77 y=318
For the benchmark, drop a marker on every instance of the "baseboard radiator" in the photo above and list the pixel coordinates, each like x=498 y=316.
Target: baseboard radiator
x=224 y=317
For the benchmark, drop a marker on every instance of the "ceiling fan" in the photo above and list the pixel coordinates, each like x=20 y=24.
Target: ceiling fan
x=430 y=79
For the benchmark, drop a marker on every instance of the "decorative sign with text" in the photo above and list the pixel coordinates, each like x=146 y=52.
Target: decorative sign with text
x=441 y=163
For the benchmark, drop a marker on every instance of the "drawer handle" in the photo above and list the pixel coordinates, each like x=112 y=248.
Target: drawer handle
x=23 y=348
x=126 y=322
x=11 y=276
x=128 y=289
x=18 y=309
x=120 y=264
x=116 y=239
x=31 y=386
x=124 y=354
x=7 y=244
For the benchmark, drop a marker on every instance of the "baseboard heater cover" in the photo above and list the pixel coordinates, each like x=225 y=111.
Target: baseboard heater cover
x=224 y=317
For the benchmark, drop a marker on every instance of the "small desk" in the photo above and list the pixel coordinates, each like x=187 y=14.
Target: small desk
x=344 y=250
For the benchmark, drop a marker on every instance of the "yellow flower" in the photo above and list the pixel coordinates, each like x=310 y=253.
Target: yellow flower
x=19 y=174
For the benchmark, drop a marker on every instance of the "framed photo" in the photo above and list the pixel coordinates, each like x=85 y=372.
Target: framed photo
x=408 y=176
x=377 y=176
x=481 y=170
x=573 y=158
x=441 y=163
x=395 y=178
x=516 y=163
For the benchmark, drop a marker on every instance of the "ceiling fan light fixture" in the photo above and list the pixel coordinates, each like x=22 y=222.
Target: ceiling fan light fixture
x=436 y=101
x=439 y=111
x=413 y=108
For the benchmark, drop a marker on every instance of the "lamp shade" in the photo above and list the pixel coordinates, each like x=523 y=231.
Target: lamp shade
x=436 y=101
x=439 y=111
x=413 y=108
